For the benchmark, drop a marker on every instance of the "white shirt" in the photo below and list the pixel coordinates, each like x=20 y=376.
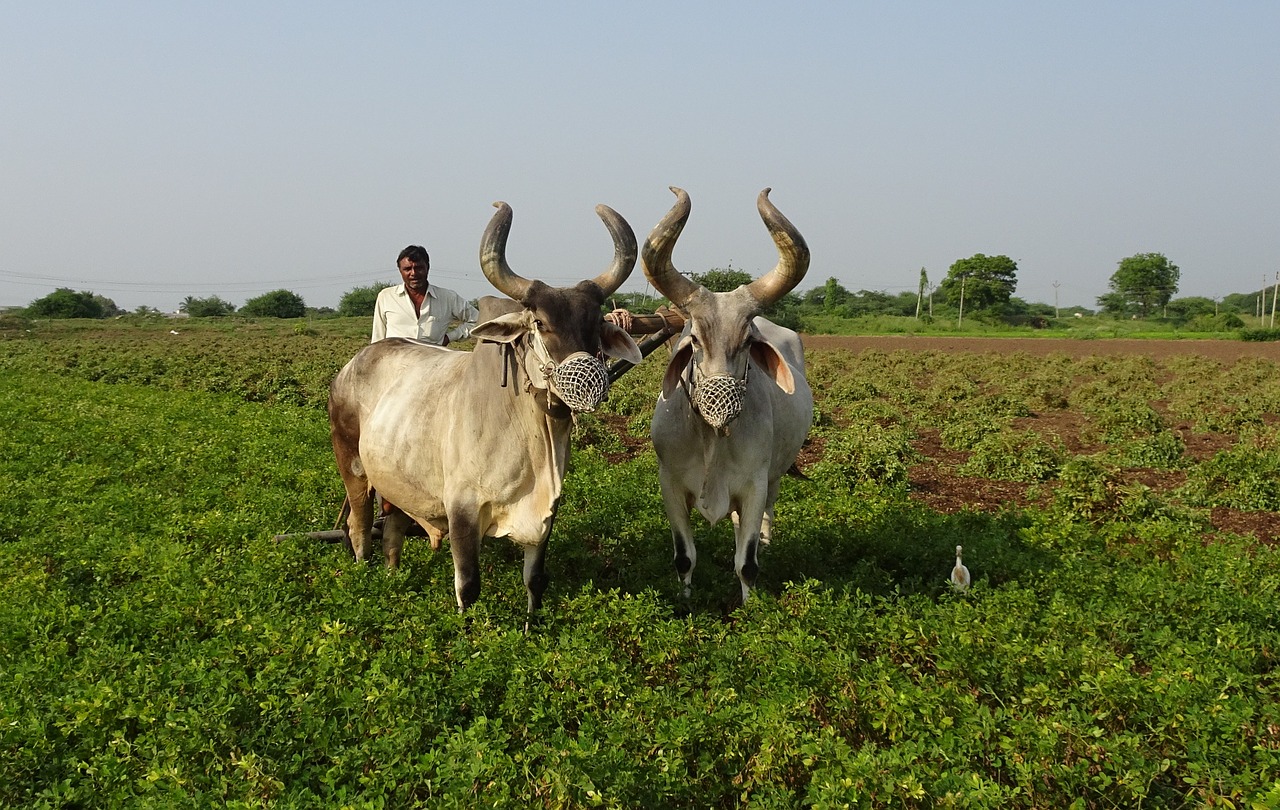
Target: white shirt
x=393 y=315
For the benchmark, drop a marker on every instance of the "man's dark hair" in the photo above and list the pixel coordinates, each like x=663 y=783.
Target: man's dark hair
x=416 y=254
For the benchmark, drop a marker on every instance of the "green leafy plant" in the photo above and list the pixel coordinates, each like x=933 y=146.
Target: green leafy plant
x=867 y=453
x=967 y=433
x=1014 y=456
x=1162 y=449
x=1087 y=490
x=1246 y=476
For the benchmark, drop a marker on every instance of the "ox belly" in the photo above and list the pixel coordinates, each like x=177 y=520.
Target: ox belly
x=508 y=494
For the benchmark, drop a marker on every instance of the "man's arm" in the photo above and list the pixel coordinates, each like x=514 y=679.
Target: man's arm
x=379 y=321
x=466 y=315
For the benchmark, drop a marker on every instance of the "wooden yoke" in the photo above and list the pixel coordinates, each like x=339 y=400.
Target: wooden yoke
x=662 y=325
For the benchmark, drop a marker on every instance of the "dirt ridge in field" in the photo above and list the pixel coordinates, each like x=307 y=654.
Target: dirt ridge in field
x=1223 y=350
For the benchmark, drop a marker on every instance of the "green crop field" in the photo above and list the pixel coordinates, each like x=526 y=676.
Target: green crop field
x=1118 y=648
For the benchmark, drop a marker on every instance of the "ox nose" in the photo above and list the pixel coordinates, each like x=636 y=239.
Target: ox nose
x=719 y=399
x=581 y=381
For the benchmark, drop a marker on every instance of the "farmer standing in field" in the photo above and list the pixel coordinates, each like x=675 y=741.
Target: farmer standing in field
x=423 y=311
x=418 y=309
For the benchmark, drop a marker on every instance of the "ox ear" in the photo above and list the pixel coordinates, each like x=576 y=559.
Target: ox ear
x=615 y=342
x=774 y=365
x=675 y=368
x=504 y=328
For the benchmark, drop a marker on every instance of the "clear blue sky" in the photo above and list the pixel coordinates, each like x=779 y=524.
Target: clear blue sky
x=154 y=150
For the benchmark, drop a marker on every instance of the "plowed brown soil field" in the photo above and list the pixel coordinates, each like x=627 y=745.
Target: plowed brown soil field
x=1224 y=350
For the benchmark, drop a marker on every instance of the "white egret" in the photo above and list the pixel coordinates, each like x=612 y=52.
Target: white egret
x=960 y=574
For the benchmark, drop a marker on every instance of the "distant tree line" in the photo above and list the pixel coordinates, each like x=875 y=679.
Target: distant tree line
x=67 y=303
x=980 y=287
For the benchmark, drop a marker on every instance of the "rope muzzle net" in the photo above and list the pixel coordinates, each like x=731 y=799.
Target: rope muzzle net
x=581 y=381
x=719 y=398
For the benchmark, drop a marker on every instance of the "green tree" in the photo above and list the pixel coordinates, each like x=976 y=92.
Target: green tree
x=360 y=301
x=637 y=303
x=1114 y=303
x=828 y=298
x=1191 y=306
x=834 y=295
x=1246 y=303
x=65 y=302
x=987 y=281
x=211 y=307
x=109 y=308
x=870 y=302
x=1143 y=282
x=904 y=303
x=722 y=279
x=275 y=304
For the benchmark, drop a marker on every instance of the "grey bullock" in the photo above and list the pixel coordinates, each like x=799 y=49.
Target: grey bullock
x=474 y=444
x=735 y=407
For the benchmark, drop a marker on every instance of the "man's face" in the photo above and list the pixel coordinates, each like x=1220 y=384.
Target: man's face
x=414 y=275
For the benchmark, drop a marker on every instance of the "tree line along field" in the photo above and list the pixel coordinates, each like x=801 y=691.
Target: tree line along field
x=1118 y=646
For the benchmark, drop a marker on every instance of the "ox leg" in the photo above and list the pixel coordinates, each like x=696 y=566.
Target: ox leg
x=394 y=525
x=535 y=568
x=766 y=527
x=751 y=517
x=535 y=574
x=678 y=507
x=766 y=523
x=360 y=521
x=464 y=546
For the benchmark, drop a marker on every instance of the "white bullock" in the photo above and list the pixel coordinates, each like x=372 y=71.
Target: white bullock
x=735 y=406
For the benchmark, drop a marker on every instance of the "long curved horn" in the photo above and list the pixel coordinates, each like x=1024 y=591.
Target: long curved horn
x=493 y=255
x=793 y=255
x=624 y=250
x=656 y=253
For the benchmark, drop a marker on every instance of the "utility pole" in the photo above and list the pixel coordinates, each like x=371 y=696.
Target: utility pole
x=1275 y=293
x=960 y=319
x=924 y=283
x=1055 y=300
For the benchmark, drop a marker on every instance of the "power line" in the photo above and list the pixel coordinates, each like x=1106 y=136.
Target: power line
x=169 y=286
x=312 y=282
